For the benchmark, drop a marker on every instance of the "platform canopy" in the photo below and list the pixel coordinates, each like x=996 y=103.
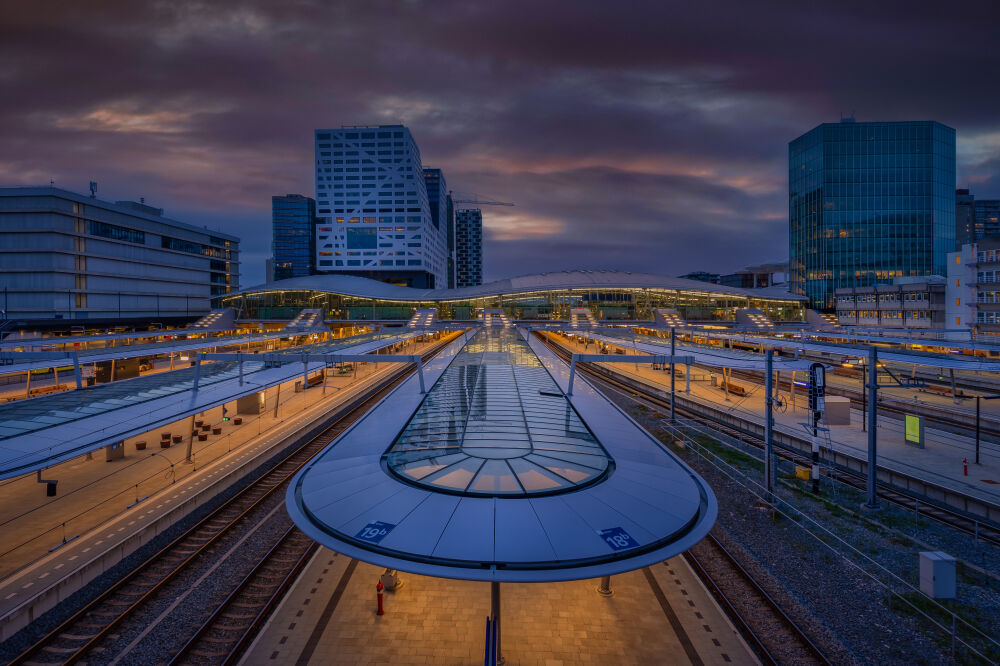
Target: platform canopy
x=36 y=433
x=496 y=474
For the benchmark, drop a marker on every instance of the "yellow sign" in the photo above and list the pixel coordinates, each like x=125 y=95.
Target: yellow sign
x=913 y=429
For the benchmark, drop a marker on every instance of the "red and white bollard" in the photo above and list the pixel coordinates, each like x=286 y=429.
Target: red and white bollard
x=378 y=590
x=965 y=467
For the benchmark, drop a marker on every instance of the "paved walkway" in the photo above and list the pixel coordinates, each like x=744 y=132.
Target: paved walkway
x=940 y=461
x=329 y=618
x=93 y=490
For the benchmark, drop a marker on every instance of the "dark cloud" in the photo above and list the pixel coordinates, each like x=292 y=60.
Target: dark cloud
x=637 y=136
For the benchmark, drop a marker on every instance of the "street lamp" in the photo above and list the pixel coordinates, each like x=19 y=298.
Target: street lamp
x=863 y=364
x=978 y=398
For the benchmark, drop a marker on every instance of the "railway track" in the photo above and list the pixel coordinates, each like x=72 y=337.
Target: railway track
x=89 y=633
x=848 y=477
x=774 y=635
x=231 y=627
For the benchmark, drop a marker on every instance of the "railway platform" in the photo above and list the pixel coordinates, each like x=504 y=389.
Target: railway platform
x=661 y=614
x=97 y=499
x=940 y=461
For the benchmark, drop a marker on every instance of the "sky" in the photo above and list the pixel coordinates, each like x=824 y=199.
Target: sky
x=639 y=136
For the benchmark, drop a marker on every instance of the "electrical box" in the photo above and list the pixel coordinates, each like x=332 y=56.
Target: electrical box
x=838 y=410
x=937 y=575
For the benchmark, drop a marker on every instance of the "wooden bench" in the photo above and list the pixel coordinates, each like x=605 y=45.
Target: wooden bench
x=942 y=390
x=735 y=389
x=847 y=372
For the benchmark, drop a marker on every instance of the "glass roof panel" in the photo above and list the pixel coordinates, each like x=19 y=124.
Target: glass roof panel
x=510 y=430
x=33 y=414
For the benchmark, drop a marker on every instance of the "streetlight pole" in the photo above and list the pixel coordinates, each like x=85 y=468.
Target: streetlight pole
x=872 y=502
x=673 y=351
x=978 y=398
x=768 y=428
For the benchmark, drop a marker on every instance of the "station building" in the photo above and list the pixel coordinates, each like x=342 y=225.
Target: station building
x=609 y=295
x=905 y=303
x=64 y=255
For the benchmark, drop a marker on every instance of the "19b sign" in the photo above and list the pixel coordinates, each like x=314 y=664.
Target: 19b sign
x=374 y=531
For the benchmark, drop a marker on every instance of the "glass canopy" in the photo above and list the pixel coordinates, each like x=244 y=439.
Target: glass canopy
x=24 y=416
x=495 y=423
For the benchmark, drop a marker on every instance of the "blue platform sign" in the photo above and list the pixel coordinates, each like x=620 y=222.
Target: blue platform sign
x=374 y=531
x=618 y=538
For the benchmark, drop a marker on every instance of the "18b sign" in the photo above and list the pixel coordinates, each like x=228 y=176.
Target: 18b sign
x=618 y=538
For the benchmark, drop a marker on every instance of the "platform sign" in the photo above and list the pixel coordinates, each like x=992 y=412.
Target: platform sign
x=618 y=538
x=913 y=430
x=374 y=531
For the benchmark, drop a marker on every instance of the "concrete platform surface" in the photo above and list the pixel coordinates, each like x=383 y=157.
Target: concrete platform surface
x=329 y=617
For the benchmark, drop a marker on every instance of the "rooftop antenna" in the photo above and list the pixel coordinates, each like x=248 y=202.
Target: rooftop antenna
x=93 y=189
x=52 y=182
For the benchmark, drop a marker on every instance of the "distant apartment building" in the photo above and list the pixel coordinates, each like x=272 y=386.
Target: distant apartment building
x=907 y=303
x=443 y=215
x=869 y=202
x=65 y=255
x=374 y=215
x=974 y=287
x=293 y=228
x=975 y=218
x=468 y=247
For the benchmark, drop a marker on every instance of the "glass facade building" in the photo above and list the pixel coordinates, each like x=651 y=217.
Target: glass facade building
x=975 y=219
x=293 y=227
x=442 y=216
x=869 y=202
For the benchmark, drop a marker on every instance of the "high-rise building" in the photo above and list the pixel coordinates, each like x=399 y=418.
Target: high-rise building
x=975 y=218
x=293 y=228
x=374 y=216
x=469 y=247
x=64 y=255
x=442 y=214
x=869 y=202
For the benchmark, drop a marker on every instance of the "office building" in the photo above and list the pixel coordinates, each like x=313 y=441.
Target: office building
x=293 y=228
x=374 y=216
x=869 y=202
x=975 y=218
x=64 y=255
x=443 y=215
x=469 y=247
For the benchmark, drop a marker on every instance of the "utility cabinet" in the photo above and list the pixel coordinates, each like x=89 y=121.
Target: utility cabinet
x=937 y=575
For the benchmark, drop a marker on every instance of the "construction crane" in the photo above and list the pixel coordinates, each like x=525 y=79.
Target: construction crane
x=469 y=200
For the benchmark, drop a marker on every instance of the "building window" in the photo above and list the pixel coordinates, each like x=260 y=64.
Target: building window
x=114 y=232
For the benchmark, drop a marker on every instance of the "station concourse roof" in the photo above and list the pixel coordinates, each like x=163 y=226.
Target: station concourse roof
x=496 y=474
x=350 y=285
x=36 y=433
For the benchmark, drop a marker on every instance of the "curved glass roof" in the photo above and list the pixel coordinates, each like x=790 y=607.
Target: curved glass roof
x=495 y=423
